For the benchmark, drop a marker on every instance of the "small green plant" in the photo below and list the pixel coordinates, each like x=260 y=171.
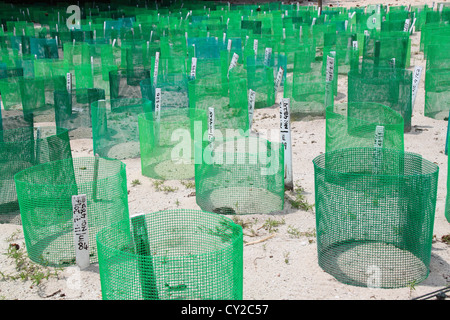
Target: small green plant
x=159 y=186
x=135 y=183
x=286 y=257
x=188 y=184
x=299 y=201
x=272 y=225
x=412 y=286
x=177 y=203
x=446 y=239
x=295 y=233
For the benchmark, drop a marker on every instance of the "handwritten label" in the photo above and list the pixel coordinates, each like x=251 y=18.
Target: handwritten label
x=193 y=67
x=407 y=23
x=251 y=106
x=267 y=56
x=285 y=139
x=229 y=45
x=157 y=104
x=233 y=62
x=279 y=78
x=69 y=82
x=80 y=230
x=378 y=146
x=355 y=45
x=284 y=33
x=211 y=120
x=329 y=76
x=330 y=69
x=155 y=71
x=416 y=81
x=255 y=46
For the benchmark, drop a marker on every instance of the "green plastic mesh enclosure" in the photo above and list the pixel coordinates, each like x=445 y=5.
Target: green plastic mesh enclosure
x=387 y=86
x=240 y=175
x=355 y=125
x=25 y=147
x=447 y=200
x=173 y=254
x=167 y=142
x=45 y=197
x=73 y=110
x=115 y=127
x=374 y=215
x=125 y=83
x=261 y=80
x=437 y=95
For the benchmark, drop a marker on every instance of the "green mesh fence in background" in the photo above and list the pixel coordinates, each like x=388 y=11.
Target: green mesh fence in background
x=24 y=147
x=73 y=110
x=115 y=127
x=387 y=86
x=260 y=77
x=172 y=254
x=354 y=125
x=167 y=142
x=437 y=94
x=125 y=83
x=375 y=215
x=241 y=175
x=45 y=197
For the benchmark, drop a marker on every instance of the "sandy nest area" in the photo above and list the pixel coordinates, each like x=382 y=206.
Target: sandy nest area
x=280 y=259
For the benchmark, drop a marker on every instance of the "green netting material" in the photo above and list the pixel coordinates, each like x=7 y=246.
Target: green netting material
x=447 y=200
x=125 y=83
x=354 y=125
x=45 y=197
x=437 y=94
x=21 y=148
x=115 y=127
x=374 y=215
x=167 y=144
x=173 y=254
x=241 y=175
x=389 y=87
x=73 y=110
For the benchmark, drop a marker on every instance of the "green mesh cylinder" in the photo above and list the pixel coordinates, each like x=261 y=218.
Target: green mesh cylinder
x=375 y=215
x=172 y=255
x=437 y=95
x=387 y=86
x=354 y=125
x=45 y=197
x=21 y=148
x=73 y=110
x=447 y=200
x=167 y=144
x=173 y=87
x=125 y=83
x=115 y=127
x=241 y=175
x=261 y=80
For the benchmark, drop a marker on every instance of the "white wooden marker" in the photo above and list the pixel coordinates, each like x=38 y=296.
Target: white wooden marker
x=378 y=146
x=69 y=82
x=80 y=230
x=255 y=46
x=233 y=63
x=251 y=106
x=157 y=104
x=407 y=25
x=229 y=45
x=155 y=72
x=267 y=56
x=193 y=67
x=415 y=86
x=211 y=120
x=285 y=139
x=329 y=80
x=278 y=79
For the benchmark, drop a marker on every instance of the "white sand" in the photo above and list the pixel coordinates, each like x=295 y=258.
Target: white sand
x=283 y=267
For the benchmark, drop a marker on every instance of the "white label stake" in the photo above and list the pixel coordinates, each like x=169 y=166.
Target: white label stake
x=407 y=24
x=378 y=146
x=69 y=82
x=155 y=72
x=233 y=63
x=80 y=230
x=329 y=81
x=255 y=46
x=251 y=106
x=267 y=56
x=193 y=67
x=278 y=79
x=285 y=138
x=415 y=86
x=158 y=104
x=211 y=120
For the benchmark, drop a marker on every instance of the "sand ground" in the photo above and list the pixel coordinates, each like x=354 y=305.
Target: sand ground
x=284 y=266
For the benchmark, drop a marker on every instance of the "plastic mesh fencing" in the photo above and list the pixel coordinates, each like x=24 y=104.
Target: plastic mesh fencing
x=355 y=125
x=24 y=147
x=387 y=86
x=261 y=80
x=241 y=175
x=228 y=99
x=172 y=255
x=73 y=110
x=45 y=197
x=172 y=90
x=437 y=104
x=167 y=142
x=115 y=127
x=380 y=48
x=125 y=83
x=374 y=216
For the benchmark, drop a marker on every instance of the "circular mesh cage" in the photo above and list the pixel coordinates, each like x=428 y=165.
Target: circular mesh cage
x=437 y=95
x=125 y=83
x=24 y=147
x=45 y=197
x=261 y=80
x=167 y=142
x=355 y=125
x=388 y=86
x=173 y=254
x=115 y=127
x=374 y=216
x=172 y=90
x=240 y=175
x=73 y=110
